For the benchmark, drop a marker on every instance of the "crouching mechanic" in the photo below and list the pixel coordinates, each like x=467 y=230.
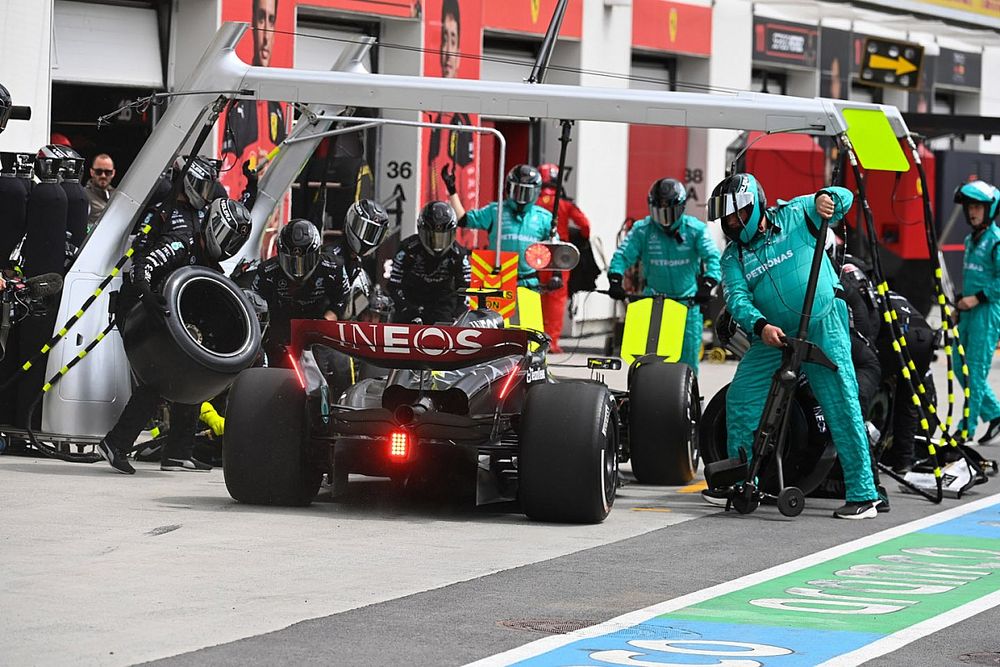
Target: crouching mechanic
x=192 y=238
x=765 y=271
x=524 y=222
x=300 y=283
x=429 y=269
x=979 y=317
x=679 y=259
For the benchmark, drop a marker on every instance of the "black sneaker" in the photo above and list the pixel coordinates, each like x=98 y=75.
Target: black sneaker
x=193 y=465
x=883 y=500
x=863 y=510
x=117 y=459
x=717 y=497
x=992 y=435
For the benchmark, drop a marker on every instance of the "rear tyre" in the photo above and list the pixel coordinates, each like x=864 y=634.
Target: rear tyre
x=568 y=463
x=663 y=423
x=265 y=458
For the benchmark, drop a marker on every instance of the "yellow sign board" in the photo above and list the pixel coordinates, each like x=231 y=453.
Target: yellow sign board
x=874 y=141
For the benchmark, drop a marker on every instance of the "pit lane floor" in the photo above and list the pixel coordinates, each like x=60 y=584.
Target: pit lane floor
x=98 y=568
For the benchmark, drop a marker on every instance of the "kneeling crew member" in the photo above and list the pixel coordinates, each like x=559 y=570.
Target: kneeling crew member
x=428 y=269
x=765 y=271
x=679 y=259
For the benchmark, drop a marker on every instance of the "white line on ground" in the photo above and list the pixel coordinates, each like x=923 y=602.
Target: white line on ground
x=898 y=639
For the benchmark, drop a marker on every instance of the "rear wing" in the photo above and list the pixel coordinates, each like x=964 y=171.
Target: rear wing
x=413 y=346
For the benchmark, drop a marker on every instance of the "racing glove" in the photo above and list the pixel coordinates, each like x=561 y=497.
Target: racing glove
x=154 y=302
x=448 y=178
x=556 y=282
x=706 y=286
x=615 y=288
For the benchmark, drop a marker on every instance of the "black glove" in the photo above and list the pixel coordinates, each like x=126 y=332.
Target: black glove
x=556 y=282
x=448 y=178
x=615 y=289
x=154 y=302
x=706 y=286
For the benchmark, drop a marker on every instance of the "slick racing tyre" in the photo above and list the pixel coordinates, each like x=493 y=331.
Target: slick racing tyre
x=568 y=460
x=663 y=422
x=192 y=355
x=264 y=448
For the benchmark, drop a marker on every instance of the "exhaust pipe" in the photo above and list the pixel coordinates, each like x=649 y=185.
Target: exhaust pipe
x=406 y=414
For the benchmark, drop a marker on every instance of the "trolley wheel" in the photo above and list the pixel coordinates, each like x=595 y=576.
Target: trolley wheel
x=745 y=500
x=791 y=501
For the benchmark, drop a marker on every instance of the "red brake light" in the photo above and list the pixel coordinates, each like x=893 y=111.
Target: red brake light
x=399 y=445
x=298 y=373
x=538 y=256
x=509 y=382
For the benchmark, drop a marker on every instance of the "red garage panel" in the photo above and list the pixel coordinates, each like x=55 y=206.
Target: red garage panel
x=654 y=153
x=673 y=27
x=787 y=165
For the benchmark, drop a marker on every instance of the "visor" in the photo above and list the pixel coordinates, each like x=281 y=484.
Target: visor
x=522 y=193
x=436 y=242
x=666 y=215
x=722 y=205
x=298 y=267
x=367 y=233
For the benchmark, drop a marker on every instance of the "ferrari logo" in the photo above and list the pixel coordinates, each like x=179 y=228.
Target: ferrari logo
x=536 y=5
x=673 y=24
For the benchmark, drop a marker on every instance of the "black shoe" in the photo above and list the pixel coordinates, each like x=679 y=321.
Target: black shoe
x=117 y=459
x=883 y=498
x=863 y=510
x=193 y=465
x=717 y=497
x=992 y=435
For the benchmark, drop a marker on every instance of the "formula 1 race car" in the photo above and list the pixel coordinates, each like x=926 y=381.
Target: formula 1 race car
x=473 y=392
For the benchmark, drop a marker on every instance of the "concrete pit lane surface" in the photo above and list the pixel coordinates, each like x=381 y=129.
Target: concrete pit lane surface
x=104 y=569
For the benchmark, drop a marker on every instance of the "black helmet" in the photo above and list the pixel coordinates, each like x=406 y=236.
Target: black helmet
x=524 y=184
x=199 y=181
x=299 y=249
x=666 y=199
x=739 y=192
x=226 y=228
x=260 y=308
x=5 y=107
x=71 y=168
x=48 y=162
x=436 y=227
x=365 y=226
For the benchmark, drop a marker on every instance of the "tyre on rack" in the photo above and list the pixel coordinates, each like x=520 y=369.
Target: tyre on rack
x=264 y=448
x=663 y=422
x=568 y=460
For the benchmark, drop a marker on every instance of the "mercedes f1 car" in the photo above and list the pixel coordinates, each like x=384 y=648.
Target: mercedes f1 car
x=474 y=391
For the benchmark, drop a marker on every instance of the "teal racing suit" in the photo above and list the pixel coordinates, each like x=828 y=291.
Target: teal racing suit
x=979 y=327
x=520 y=230
x=672 y=263
x=765 y=283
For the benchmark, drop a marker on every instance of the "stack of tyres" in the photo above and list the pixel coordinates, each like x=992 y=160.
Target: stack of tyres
x=14 y=189
x=43 y=251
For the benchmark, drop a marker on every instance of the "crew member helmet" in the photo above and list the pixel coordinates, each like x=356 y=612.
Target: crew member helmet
x=436 y=227
x=365 y=226
x=667 y=198
x=741 y=194
x=226 y=228
x=299 y=249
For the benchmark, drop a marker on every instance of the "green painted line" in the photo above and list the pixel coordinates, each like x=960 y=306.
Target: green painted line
x=881 y=589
